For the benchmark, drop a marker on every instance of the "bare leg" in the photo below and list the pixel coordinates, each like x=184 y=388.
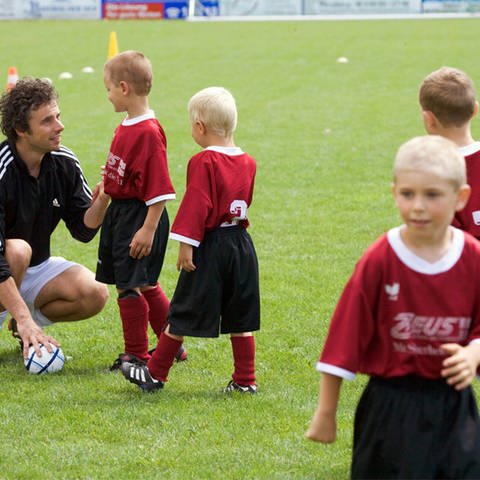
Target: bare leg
x=18 y=254
x=72 y=295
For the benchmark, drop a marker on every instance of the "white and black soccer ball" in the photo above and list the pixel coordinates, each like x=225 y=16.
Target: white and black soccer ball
x=49 y=362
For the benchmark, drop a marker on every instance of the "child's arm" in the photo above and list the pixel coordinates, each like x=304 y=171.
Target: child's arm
x=461 y=366
x=141 y=244
x=185 y=258
x=323 y=427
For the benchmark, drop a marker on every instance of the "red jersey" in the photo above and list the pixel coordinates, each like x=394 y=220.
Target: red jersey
x=219 y=191
x=397 y=309
x=469 y=218
x=137 y=166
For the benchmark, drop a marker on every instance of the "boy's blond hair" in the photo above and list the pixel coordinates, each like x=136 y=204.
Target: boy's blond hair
x=215 y=107
x=433 y=154
x=133 y=68
x=450 y=95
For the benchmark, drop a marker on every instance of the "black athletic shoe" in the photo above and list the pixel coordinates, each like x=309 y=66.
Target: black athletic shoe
x=125 y=357
x=139 y=375
x=234 y=387
x=181 y=355
x=12 y=326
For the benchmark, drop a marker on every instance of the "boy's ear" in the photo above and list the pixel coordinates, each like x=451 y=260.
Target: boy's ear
x=429 y=120
x=475 y=110
x=462 y=197
x=393 y=187
x=201 y=127
x=124 y=86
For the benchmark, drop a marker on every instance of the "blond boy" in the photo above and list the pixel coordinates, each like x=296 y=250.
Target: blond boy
x=217 y=290
x=409 y=319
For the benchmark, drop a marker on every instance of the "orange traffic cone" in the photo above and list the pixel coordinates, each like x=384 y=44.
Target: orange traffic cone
x=112 y=45
x=12 y=78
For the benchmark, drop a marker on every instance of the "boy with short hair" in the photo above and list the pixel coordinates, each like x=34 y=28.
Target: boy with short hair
x=448 y=101
x=134 y=234
x=409 y=318
x=217 y=290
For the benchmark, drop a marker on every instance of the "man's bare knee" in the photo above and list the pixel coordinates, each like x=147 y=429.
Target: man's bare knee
x=99 y=297
x=18 y=254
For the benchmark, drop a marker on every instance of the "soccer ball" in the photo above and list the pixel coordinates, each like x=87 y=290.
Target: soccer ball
x=47 y=363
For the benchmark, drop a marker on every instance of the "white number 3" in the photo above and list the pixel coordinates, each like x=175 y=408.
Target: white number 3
x=239 y=209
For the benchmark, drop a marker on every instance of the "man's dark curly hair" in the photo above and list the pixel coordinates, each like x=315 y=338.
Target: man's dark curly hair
x=16 y=106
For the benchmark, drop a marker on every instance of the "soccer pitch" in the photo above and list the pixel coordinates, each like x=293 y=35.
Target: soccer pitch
x=324 y=135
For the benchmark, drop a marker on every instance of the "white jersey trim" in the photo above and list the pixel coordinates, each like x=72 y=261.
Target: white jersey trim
x=333 y=370
x=419 y=264
x=127 y=122
x=160 y=198
x=181 y=238
x=226 y=150
x=469 y=149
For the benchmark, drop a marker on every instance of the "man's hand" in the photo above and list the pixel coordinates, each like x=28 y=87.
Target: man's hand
x=33 y=335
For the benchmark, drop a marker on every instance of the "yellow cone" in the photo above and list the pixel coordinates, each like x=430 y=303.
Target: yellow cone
x=112 y=45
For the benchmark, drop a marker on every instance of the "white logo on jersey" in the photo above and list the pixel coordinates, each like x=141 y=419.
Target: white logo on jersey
x=409 y=326
x=55 y=203
x=392 y=291
x=476 y=217
x=121 y=168
x=112 y=159
x=239 y=209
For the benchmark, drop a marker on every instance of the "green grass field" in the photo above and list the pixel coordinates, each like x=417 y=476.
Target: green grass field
x=324 y=135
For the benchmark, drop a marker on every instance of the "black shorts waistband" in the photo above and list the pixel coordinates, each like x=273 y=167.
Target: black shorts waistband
x=126 y=201
x=222 y=231
x=411 y=381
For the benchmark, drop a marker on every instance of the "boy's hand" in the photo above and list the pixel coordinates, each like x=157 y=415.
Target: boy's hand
x=141 y=244
x=460 y=367
x=323 y=428
x=185 y=258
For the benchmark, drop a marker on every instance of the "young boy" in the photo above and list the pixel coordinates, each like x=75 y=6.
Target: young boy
x=409 y=318
x=135 y=230
x=448 y=102
x=217 y=290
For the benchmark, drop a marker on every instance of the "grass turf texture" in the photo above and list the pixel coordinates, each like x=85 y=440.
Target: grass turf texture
x=324 y=135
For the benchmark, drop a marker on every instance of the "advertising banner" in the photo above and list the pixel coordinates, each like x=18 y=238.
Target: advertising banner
x=50 y=9
x=131 y=10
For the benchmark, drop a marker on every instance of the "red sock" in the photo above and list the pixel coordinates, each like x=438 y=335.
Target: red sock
x=163 y=357
x=244 y=360
x=134 y=314
x=159 y=304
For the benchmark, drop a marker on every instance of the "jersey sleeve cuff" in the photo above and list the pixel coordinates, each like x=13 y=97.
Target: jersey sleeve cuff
x=160 y=198
x=187 y=240
x=333 y=370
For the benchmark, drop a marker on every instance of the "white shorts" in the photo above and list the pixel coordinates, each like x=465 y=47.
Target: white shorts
x=36 y=278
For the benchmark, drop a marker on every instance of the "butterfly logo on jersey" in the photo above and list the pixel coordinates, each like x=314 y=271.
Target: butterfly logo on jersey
x=392 y=291
x=476 y=217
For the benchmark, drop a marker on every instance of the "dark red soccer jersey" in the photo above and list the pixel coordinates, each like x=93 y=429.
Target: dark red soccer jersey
x=469 y=218
x=137 y=163
x=219 y=190
x=397 y=309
